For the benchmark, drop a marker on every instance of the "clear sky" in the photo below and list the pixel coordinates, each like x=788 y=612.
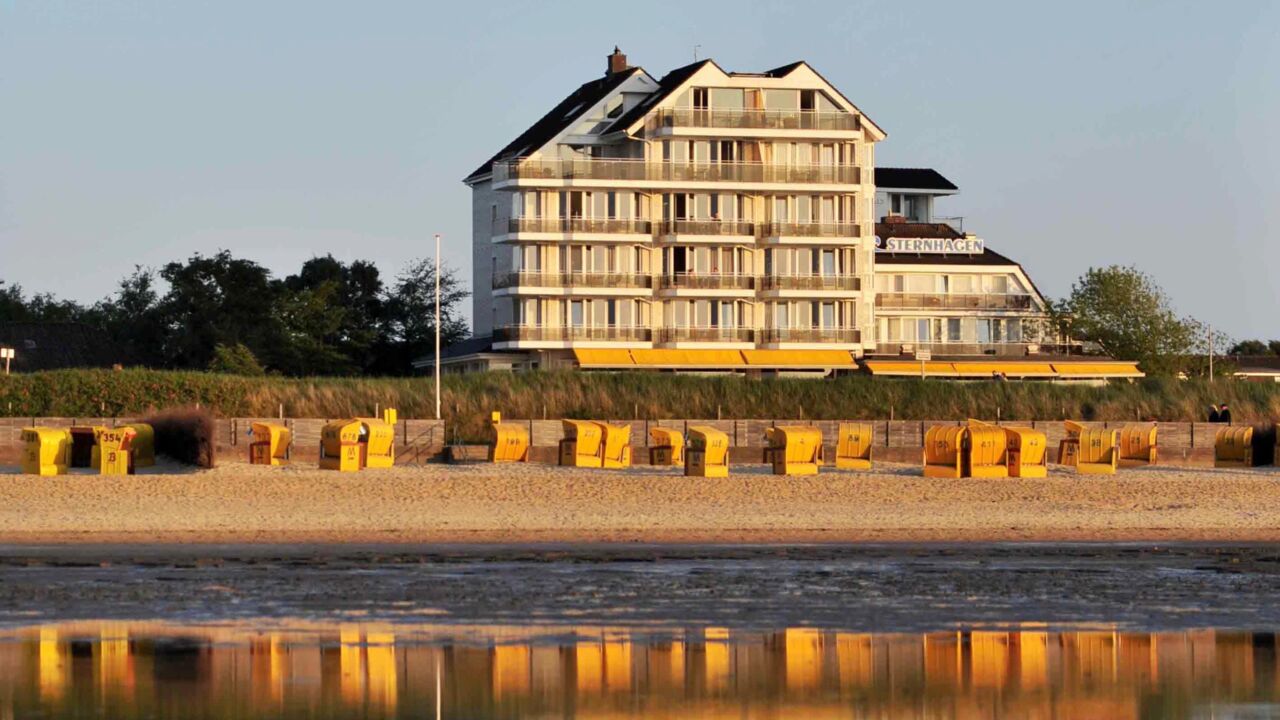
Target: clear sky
x=1086 y=133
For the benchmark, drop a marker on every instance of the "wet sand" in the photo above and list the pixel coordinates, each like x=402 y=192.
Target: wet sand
x=239 y=503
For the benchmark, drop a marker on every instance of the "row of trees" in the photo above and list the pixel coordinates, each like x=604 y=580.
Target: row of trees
x=330 y=318
x=1125 y=315
x=229 y=313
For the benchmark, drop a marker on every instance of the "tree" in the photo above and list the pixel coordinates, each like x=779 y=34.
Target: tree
x=1128 y=316
x=220 y=300
x=410 y=312
x=235 y=360
x=41 y=307
x=340 y=307
x=1250 y=347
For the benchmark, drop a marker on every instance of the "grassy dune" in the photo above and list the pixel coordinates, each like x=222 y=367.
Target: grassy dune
x=468 y=399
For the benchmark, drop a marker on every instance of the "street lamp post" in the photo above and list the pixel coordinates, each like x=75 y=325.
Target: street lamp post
x=7 y=354
x=437 y=364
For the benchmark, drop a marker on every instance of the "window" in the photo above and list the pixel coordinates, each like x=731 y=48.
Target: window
x=576 y=316
x=614 y=108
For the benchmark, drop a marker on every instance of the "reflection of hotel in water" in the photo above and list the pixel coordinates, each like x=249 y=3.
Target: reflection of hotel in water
x=142 y=669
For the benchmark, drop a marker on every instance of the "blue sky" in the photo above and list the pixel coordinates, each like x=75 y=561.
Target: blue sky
x=1087 y=133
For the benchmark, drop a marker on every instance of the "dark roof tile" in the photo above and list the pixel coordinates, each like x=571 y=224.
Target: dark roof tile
x=912 y=179
x=555 y=121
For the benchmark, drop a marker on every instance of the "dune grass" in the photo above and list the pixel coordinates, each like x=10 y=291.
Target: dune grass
x=468 y=399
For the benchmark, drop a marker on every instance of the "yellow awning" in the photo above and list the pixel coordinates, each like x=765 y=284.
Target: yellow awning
x=986 y=368
x=603 y=357
x=799 y=358
x=1098 y=369
x=909 y=367
x=704 y=359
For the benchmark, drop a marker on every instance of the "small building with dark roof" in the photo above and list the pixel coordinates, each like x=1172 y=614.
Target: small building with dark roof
x=41 y=346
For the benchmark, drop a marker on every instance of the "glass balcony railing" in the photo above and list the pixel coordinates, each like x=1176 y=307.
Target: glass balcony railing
x=645 y=171
x=952 y=301
x=1001 y=349
x=707 y=227
x=754 y=119
x=811 y=230
x=811 y=335
x=707 y=281
x=705 y=334
x=579 y=225
x=810 y=282
x=534 y=278
x=616 y=333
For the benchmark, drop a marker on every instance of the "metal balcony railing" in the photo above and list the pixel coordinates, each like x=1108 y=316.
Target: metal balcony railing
x=745 y=118
x=707 y=281
x=579 y=225
x=1002 y=349
x=952 y=301
x=811 y=335
x=642 y=170
x=706 y=227
x=794 y=229
x=616 y=333
x=810 y=282
x=705 y=334
x=534 y=278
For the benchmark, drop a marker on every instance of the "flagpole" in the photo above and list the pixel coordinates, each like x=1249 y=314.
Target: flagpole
x=437 y=365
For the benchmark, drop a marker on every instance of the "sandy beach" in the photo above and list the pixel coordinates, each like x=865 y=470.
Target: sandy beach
x=237 y=503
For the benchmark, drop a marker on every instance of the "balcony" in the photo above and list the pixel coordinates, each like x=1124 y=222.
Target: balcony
x=707 y=227
x=706 y=281
x=644 y=171
x=751 y=119
x=705 y=334
x=952 y=301
x=534 y=278
x=999 y=349
x=579 y=225
x=811 y=335
x=811 y=230
x=848 y=283
x=546 y=333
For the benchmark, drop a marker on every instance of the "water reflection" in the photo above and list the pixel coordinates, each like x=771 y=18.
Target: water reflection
x=296 y=669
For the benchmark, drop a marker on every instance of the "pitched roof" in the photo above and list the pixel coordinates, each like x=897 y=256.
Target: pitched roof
x=59 y=345
x=986 y=257
x=559 y=118
x=916 y=230
x=913 y=179
x=666 y=86
x=932 y=230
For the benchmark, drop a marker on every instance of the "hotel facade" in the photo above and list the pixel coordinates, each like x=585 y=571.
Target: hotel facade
x=726 y=221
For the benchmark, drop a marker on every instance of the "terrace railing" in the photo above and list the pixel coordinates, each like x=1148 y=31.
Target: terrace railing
x=534 y=278
x=755 y=119
x=811 y=335
x=953 y=301
x=705 y=334
x=811 y=229
x=673 y=171
x=579 y=225
x=619 y=333
x=707 y=281
x=810 y=282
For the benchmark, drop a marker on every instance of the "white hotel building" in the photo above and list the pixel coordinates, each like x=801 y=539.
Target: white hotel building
x=724 y=221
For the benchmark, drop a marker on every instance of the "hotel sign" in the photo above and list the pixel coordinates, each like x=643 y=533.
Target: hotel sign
x=932 y=246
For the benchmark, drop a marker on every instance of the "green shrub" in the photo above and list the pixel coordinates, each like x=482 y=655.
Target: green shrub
x=468 y=399
x=235 y=360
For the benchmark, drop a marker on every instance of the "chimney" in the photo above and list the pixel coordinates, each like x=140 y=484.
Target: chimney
x=617 y=62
